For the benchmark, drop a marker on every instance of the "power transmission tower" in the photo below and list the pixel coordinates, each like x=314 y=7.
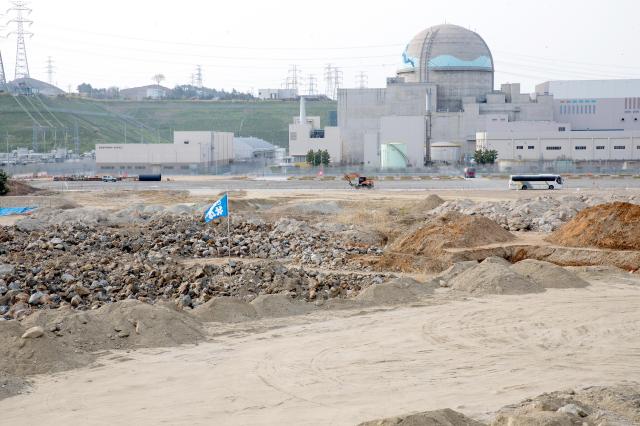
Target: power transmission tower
x=3 y=77
x=329 y=80
x=198 y=77
x=311 y=85
x=362 y=80
x=20 y=11
x=292 y=78
x=337 y=81
x=50 y=69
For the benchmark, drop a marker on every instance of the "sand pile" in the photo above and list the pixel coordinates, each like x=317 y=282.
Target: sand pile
x=611 y=226
x=429 y=203
x=444 y=417
x=233 y=310
x=399 y=290
x=451 y=230
x=225 y=309
x=70 y=339
x=596 y=405
x=424 y=248
x=548 y=275
x=492 y=277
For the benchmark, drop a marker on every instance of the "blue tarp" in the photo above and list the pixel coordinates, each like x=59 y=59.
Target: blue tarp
x=8 y=211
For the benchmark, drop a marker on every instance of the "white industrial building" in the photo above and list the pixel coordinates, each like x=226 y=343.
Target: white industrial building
x=442 y=106
x=191 y=152
x=278 y=94
x=306 y=134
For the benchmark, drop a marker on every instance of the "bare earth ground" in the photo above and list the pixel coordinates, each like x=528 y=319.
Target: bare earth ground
x=342 y=368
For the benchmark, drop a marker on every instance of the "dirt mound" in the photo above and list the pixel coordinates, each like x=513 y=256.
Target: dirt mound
x=225 y=309
x=493 y=278
x=70 y=339
x=446 y=417
x=429 y=203
x=21 y=188
x=611 y=226
x=424 y=247
x=279 y=305
x=548 y=275
x=619 y=405
x=451 y=230
x=399 y=290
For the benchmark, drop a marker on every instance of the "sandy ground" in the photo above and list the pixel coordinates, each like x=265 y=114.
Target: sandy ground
x=341 y=368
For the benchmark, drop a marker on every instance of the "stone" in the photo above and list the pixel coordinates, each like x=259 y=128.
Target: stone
x=6 y=270
x=33 y=333
x=36 y=298
x=573 y=409
x=67 y=278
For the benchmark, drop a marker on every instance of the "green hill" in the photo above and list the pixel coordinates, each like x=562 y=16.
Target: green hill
x=148 y=121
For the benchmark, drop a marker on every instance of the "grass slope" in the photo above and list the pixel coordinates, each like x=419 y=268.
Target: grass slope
x=149 y=121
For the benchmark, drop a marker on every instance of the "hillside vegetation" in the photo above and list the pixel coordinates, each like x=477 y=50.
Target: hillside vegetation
x=148 y=121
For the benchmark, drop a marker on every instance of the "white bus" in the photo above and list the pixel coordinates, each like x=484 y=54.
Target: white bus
x=535 y=182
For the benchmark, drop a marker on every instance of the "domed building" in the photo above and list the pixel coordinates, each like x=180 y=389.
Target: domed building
x=456 y=59
x=442 y=106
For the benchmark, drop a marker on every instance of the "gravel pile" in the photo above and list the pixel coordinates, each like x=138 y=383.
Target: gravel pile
x=544 y=214
x=86 y=265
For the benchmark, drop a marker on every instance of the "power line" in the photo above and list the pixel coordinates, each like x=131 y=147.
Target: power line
x=311 y=85
x=21 y=11
x=198 y=77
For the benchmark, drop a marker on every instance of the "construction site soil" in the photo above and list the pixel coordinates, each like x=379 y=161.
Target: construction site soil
x=79 y=282
x=611 y=226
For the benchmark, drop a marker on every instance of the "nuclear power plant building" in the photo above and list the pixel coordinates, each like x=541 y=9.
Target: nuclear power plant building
x=443 y=104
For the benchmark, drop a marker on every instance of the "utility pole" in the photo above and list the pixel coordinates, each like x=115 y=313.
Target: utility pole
x=20 y=12
x=362 y=80
x=50 y=70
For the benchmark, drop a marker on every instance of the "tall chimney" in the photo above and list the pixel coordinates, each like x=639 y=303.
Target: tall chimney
x=303 y=111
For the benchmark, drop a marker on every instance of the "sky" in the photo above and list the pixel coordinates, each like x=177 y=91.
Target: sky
x=252 y=44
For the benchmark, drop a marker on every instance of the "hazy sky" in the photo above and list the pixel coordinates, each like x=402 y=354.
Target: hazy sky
x=251 y=44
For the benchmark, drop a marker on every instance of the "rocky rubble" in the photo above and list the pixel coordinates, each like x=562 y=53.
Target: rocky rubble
x=87 y=266
x=544 y=213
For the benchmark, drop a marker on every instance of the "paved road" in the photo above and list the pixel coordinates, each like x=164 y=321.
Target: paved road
x=398 y=185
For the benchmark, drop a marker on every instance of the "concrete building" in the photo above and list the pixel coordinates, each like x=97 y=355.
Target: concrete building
x=444 y=92
x=154 y=92
x=306 y=134
x=190 y=153
x=278 y=94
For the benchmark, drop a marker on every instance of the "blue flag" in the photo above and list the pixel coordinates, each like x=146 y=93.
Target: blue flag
x=217 y=210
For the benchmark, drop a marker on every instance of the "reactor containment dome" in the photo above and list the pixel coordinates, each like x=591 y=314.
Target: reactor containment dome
x=457 y=60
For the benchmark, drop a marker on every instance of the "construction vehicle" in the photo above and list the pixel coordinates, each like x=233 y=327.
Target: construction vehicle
x=358 y=182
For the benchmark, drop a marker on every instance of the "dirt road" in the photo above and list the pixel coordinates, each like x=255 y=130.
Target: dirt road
x=341 y=368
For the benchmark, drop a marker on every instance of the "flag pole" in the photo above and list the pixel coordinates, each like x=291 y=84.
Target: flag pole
x=228 y=232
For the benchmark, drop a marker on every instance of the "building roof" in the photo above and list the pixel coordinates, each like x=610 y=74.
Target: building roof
x=447 y=47
x=36 y=85
x=599 y=89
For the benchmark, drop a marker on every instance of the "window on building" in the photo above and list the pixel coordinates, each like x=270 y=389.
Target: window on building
x=553 y=148
x=140 y=167
x=531 y=147
x=594 y=109
x=562 y=129
x=561 y=109
x=638 y=147
x=619 y=147
x=186 y=142
x=293 y=136
x=580 y=148
x=600 y=147
x=519 y=147
x=184 y=167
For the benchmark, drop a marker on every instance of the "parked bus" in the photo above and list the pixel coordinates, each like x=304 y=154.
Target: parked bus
x=535 y=182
